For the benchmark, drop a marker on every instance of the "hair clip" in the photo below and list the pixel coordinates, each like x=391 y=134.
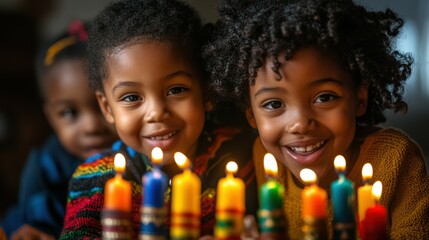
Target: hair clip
x=76 y=28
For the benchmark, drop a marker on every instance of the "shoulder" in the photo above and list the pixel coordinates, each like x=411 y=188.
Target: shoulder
x=390 y=141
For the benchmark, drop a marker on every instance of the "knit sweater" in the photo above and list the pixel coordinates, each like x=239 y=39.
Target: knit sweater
x=397 y=162
x=215 y=149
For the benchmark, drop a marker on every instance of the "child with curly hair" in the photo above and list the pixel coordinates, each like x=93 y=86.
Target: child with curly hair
x=314 y=77
x=146 y=69
x=79 y=131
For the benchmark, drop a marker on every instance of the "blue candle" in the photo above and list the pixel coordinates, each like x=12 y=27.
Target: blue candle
x=153 y=209
x=343 y=202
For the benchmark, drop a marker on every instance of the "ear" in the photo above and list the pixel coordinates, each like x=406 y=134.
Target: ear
x=251 y=118
x=49 y=115
x=104 y=106
x=208 y=106
x=362 y=99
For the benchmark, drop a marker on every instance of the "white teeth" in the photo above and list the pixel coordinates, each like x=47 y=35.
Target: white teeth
x=307 y=148
x=165 y=137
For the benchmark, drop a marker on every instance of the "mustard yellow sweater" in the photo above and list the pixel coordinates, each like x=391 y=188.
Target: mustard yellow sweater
x=397 y=162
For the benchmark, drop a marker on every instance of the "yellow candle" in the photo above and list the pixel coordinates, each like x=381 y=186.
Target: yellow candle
x=185 y=201
x=230 y=205
x=364 y=193
x=117 y=191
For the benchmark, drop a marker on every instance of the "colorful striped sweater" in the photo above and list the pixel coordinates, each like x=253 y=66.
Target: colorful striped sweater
x=216 y=148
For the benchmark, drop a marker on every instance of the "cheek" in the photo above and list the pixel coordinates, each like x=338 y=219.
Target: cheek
x=126 y=123
x=270 y=130
x=69 y=139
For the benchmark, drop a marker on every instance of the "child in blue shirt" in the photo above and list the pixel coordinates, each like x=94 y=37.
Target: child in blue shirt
x=80 y=131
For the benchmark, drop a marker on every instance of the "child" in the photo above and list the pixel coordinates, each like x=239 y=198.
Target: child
x=80 y=131
x=147 y=73
x=315 y=76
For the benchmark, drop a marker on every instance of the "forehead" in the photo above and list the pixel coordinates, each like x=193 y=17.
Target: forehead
x=307 y=63
x=148 y=60
x=65 y=75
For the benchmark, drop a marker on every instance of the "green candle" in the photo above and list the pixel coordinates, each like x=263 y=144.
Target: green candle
x=271 y=198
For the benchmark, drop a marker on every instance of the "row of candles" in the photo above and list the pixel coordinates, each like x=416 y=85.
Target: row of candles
x=230 y=202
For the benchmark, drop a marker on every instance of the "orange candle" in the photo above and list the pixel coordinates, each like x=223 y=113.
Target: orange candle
x=117 y=191
x=230 y=205
x=185 y=201
x=364 y=193
x=314 y=198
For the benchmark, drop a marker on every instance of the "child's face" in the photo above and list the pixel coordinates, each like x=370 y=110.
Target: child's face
x=153 y=96
x=72 y=110
x=308 y=117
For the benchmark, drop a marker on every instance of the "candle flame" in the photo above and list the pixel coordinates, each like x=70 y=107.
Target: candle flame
x=377 y=188
x=270 y=165
x=181 y=160
x=308 y=176
x=367 y=172
x=157 y=155
x=231 y=167
x=119 y=163
x=340 y=163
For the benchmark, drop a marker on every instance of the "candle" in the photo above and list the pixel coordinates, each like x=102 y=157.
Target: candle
x=230 y=205
x=117 y=191
x=271 y=198
x=153 y=210
x=374 y=225
x=343 y=202
x=364 y=193
x=314 y=202
x=116 y=214
x=185 y=201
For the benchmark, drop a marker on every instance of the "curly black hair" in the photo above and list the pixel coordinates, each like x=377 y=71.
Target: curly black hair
x=127 y=22
x=250 y=31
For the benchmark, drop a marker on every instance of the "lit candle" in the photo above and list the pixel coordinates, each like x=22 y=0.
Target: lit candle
x=153 y=210
x=185 y=201
x=230 y=205
x=314 y=202
x=271 y=198
x=343 y=202
x=374 y=225
x=364 y=192
x=116 y=214
x=117 y=191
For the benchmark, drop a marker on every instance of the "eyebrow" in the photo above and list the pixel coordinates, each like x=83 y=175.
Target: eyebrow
x=317 y=82
x=167 y=77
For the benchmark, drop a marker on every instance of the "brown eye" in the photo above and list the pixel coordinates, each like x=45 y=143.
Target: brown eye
x=325 y=98
x=273 y=105
x=176 y=90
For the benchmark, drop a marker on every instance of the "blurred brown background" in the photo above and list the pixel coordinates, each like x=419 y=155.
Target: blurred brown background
x=26 y=23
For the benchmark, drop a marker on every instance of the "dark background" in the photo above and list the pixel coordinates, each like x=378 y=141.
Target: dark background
x=25 y=24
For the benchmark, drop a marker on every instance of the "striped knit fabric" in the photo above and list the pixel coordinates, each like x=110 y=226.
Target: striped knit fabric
x=216 y=148
x=397 y=162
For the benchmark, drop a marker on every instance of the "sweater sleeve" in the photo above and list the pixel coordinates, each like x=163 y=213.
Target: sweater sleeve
x=406 y=187
x=85 y=200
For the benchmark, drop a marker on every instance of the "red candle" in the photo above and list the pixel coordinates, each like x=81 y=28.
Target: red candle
x=117 y=191
x=374 y=225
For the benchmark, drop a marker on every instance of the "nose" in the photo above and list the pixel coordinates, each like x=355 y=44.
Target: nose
x=156 y=111
x=300 y=121
x=94 y=122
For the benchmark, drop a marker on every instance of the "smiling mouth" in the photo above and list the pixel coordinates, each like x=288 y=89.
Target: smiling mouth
x=306 y=150
x=163 y=137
